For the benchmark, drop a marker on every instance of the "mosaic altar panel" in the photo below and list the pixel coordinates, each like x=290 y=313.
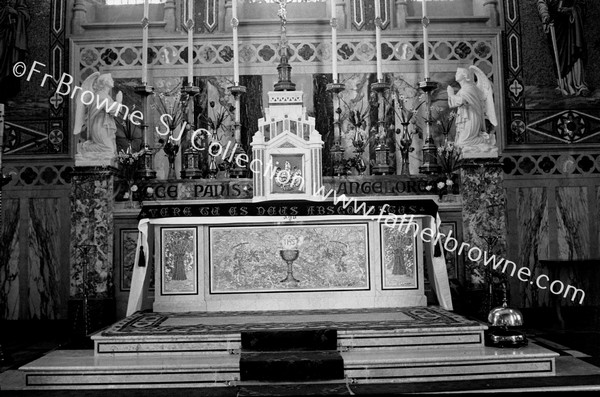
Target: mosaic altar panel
x=249 y=258
x=179 y=263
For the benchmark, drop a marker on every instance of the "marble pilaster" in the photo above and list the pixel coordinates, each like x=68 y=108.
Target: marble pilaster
x=484 y=224
x=92 y=208
x=9 y=260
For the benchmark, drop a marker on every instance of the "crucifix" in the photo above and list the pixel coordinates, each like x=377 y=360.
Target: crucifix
x=284 y=69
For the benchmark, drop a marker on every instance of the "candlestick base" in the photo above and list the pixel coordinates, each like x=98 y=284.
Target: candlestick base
x=337 y=159
x=236 y=171
x=237 y=89
x=191 y=90
x=191 y=164
x=335 y=88
x=430 y=165
x=380 y=87
x=144 y=89
x=427 y=85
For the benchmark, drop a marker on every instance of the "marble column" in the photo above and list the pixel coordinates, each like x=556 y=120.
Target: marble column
x=401 y=13
x=79 y=17
x=484 y=227
x=170 y=16
x=92 y=303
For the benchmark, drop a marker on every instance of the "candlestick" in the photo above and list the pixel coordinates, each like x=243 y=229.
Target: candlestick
x=145 y=22
x=190 y=32
x=334 y=71
x=234 y=26
x=378 y=39
x=425 y=22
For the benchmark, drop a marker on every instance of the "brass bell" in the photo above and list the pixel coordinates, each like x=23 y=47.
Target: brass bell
x=504 y=316
x=500 y=333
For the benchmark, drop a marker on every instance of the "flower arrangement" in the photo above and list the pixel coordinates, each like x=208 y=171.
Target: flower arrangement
x=445 y=121
x=449 y=158
x=407 y=113
x=440 y=185
x=174 y=105
x=129 y=162
x=215 y=119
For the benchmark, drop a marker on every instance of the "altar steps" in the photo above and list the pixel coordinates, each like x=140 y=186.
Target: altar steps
x=376 y=350
x=290 y=356
x=347 y=340
x=73 y=369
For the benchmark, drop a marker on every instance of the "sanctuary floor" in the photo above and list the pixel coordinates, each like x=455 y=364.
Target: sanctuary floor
x=577 y=368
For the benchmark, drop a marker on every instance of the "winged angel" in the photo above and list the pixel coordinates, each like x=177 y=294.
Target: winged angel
x=93 y=122
x=475 y=104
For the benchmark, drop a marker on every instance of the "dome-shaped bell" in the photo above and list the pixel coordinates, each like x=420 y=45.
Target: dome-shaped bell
x=500 y=334
x=504 y=316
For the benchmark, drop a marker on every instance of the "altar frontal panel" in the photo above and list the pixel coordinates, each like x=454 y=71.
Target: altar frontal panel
x=271 y=259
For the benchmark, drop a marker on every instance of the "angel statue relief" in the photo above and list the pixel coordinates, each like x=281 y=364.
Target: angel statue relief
x=94 y=123
x=475 y=104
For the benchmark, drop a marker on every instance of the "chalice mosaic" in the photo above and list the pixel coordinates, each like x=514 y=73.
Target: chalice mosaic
x=289 y=254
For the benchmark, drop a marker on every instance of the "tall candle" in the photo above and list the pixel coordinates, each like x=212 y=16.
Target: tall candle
x=334 y=71
x=145 y=22
x=378 y=39
x=425 y=40
x=236 y=60
x=190 y=25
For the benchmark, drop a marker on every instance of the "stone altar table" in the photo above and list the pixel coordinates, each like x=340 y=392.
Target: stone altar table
x=286 y=255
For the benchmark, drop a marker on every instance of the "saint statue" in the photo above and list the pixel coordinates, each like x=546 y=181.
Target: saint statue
x=14 y=19
x=475 y=105
x=95 y=122
x=563 y=23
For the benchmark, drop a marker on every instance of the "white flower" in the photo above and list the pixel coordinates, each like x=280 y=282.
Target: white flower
x=126 y=195
x=134 y=188
x=428 y=187
x=150 y=190
x=440 y=185
x=449 y=182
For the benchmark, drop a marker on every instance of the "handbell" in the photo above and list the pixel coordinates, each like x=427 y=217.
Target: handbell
x=501 y=320
x=504 y=316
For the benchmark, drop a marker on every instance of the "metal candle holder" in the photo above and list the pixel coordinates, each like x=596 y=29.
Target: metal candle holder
x=429 y=165
x=146 y=167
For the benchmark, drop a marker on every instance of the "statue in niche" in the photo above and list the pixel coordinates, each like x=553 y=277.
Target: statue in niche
x=563 y=24
x=95 y=123
x=14 y=20
x=475 y=105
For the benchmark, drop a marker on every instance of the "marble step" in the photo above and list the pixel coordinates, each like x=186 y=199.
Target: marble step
x=214 y=343
x=431 y=364
x=80 y=369
x=347 y=340
x=285 y=340
x=295 y=366
x=385 y=339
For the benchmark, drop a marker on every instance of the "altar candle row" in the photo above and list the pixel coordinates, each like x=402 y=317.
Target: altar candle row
x=378 y=38
x=334 y=71
x=145 y=23
x=234 y=27
x=190 y=32
x=425 y=40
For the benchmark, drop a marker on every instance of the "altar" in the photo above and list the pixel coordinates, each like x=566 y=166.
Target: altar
x=284 y=256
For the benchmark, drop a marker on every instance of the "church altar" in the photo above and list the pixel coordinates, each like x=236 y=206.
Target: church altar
x=292 y=255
